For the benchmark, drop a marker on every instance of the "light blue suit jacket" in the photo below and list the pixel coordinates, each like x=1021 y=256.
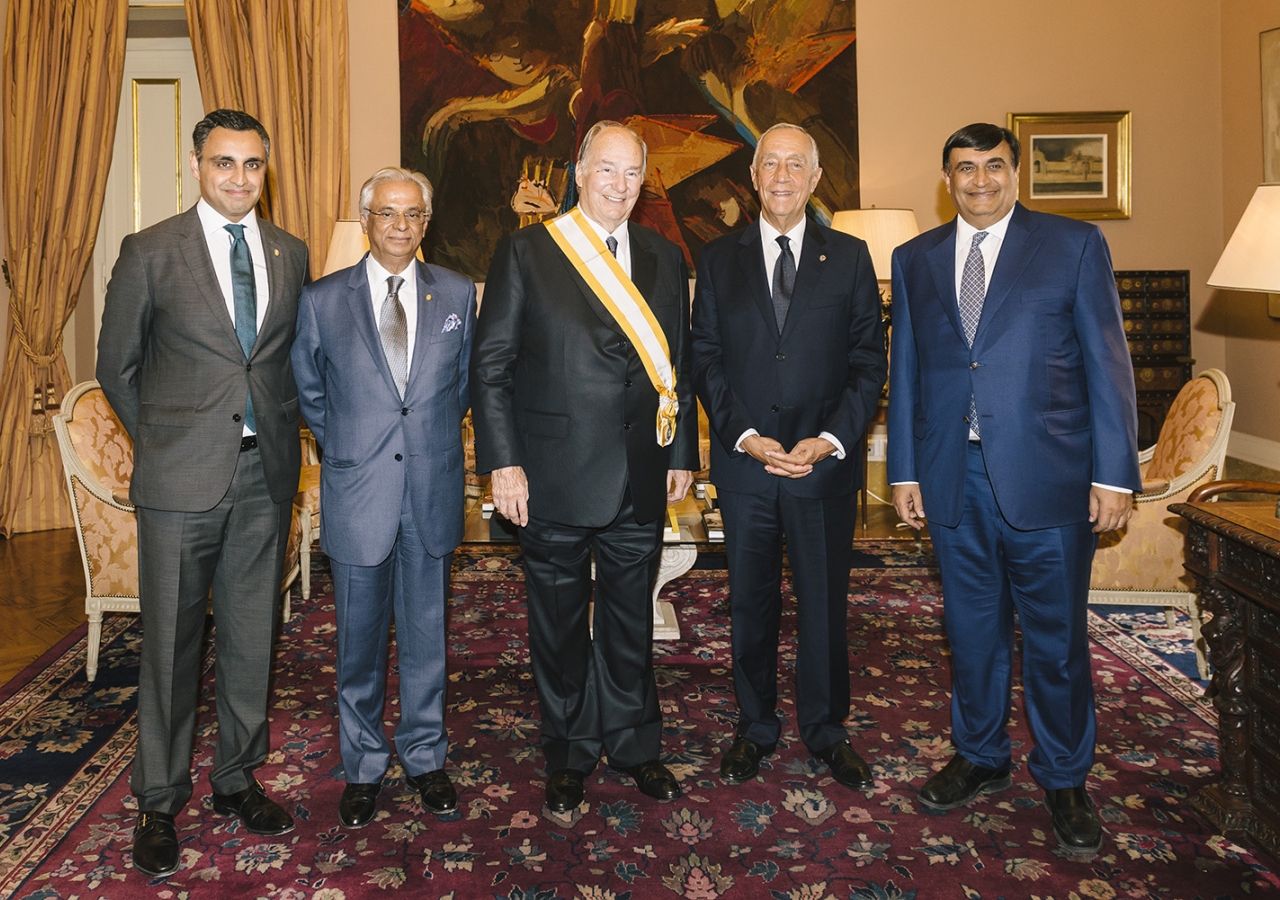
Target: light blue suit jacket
x=1049 y=369
x=375 y=445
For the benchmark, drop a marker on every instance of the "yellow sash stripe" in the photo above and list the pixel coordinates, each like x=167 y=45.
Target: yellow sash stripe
x=579 y=242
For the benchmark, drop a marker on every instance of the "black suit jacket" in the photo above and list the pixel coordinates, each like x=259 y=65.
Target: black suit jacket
x=824 y=371
x=557 y=389
x=173 y=370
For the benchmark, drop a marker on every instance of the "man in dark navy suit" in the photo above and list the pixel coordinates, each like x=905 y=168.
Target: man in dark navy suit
x=789 y=360
x=1012 y=420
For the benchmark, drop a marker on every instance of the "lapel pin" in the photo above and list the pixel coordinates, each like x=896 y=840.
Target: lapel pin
x=277 y=251
x=822 y=258
x=428 y=296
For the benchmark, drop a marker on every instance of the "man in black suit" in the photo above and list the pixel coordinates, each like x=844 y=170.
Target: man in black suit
x=584 y=413
x=194 y=357
x=789 y=359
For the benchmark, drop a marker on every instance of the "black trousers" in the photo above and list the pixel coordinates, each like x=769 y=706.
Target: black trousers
x=597 y=695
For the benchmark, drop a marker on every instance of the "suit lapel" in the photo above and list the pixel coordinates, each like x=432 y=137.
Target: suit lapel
x=1020 y=244
x=644 y=263
x=942 y=263
x=430 y=322
x=277 y=316
x=751 y=266
x=813 y=261
x=360 y=302
x=195 y=250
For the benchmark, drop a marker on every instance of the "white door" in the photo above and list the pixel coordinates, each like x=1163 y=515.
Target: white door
x=150 y=176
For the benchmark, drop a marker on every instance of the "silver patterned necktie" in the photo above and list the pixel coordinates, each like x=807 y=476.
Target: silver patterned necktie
x=612 y=243
x=973 y=290
x=784 y=281
x=394 y=329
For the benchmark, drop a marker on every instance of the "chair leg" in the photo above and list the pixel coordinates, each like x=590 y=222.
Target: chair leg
x=1171 y=617
x=1202 y=663
x=304 y=561
x=94 y=639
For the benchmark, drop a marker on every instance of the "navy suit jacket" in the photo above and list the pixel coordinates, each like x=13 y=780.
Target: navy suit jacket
x=823 y=372
x=376 y=445
x=1049 y=370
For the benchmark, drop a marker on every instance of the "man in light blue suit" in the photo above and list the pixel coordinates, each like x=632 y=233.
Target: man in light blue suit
x=1012 y=420
x=381 y=361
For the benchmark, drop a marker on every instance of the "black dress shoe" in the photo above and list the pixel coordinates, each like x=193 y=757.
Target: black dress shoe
x=847 y=767
x=155 y=844
x=1075 y=824
x=359 y=804
x=260 y=814
x=564 y=790
x=436 y=790
x=654 y=780
x=960 y=781
x=741 y=762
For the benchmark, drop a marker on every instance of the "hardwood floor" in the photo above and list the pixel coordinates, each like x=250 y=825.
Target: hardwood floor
x=41 y=595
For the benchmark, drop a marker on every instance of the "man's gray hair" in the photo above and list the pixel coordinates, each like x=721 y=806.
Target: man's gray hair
x=395 y=173
x=603 y=125
x=781 y=126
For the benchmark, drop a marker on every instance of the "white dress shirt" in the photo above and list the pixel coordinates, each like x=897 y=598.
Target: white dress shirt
x=378 y=290
x=219 y=241
x=772 y=251
x=623 y=236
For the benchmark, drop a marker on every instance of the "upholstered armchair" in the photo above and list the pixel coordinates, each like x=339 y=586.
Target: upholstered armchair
x=1141 y=565
x=97 y=460
x=308 y=507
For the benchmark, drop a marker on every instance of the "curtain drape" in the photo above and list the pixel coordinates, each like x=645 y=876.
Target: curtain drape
x=63 y=64
x=285 y=63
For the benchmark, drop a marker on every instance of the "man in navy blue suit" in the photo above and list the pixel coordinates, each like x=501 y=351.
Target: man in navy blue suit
x=788 y=360
x=1012 y=420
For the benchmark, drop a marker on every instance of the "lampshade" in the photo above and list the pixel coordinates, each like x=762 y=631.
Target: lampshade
x=883 y=229
x=346 y=246
x=1251 y=260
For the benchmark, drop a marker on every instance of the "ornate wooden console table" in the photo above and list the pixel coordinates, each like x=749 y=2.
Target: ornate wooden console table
x=1233 y=552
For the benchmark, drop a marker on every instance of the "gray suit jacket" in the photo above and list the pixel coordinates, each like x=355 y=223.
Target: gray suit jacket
x=172 y=368
x=376 y=445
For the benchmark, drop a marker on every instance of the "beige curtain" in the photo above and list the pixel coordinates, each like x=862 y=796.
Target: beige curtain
x=285 y=63
x=63 y=64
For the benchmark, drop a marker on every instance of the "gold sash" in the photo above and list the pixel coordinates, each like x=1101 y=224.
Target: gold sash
x=603 y=273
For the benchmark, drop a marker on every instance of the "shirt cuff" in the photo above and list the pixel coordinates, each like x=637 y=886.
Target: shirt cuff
x=746 y=434
x=1109 y=487
x=835 y=442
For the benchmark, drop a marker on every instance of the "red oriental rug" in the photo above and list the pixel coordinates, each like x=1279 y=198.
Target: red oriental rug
x=66 y=814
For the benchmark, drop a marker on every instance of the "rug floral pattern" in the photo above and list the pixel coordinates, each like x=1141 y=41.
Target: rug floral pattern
x=66 y=814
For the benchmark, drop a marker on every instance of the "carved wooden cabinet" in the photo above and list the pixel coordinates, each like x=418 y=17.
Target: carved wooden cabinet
x=1157 y=323
x=1233 y=552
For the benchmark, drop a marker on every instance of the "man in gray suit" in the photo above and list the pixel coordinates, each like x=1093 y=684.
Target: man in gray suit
x=194 y=357
x=381 y=364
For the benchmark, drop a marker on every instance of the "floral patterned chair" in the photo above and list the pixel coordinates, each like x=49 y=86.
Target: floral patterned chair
x=1141 y=565
x=97 y=460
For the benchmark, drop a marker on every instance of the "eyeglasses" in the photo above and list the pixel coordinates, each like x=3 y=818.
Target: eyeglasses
x=387 y=216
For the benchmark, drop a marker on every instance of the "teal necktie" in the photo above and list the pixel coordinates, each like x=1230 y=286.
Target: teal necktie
x=245 y=294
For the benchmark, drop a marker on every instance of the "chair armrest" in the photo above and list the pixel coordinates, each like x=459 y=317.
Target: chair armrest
x=1214 y=488
x=1154 y=486
x=121 y=498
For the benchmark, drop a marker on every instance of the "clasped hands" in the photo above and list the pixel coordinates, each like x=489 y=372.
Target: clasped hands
x=511 y=491
x=797 y=463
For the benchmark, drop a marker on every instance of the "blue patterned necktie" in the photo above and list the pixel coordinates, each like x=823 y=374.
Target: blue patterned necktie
x=784 y=281
x=393 y=327
x=244 y=293
x=612 y=243
x=973 y=290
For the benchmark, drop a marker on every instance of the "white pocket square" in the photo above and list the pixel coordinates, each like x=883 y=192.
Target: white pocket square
x=451 y=323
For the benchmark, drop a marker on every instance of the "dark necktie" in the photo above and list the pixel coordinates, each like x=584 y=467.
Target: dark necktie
x=612 y=243
x=784 y=281
x=394 y=329
x=244 y=293
x=973 y=290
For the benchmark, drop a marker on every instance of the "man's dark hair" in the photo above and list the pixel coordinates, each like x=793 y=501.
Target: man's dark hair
x=981 y=136
x=232 y=119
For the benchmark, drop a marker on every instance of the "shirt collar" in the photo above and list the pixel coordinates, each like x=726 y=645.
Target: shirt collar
x=213 y=221
x=620 y=233
x=770 y=235
x=378 y=274
x=965 y=231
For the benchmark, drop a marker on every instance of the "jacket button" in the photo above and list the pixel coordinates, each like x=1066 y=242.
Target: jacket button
x=973 y=365
x=248 y=367
x=627 y=383
x=399 y=457
x=780 y=357
x=773 y=408
x=236 y=417
x=626 y=426
x=404 y=411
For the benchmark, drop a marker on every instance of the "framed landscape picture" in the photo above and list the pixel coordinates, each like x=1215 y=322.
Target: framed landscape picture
x=1074 y=164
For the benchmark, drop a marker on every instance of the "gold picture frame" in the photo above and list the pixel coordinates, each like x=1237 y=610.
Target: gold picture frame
x=1074 y=164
